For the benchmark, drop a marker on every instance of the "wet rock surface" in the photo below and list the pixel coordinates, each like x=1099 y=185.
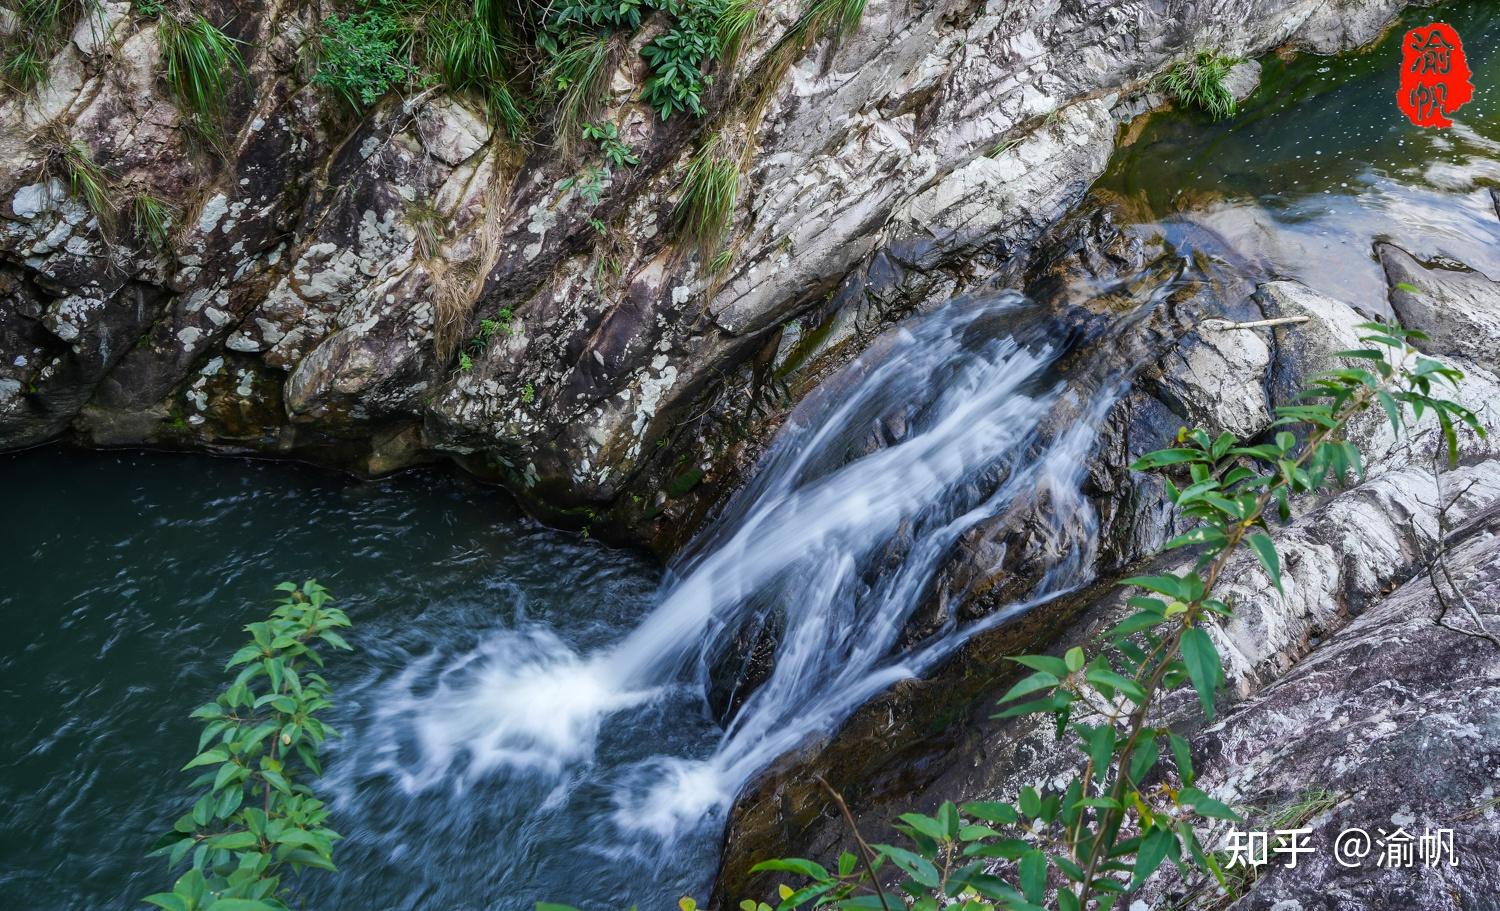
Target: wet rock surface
x=1329 y=686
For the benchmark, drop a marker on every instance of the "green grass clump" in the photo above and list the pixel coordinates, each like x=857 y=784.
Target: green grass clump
x=736 y=23
x=580 y=74
x=1198 y=82
x=86 y=181
x=42 y=28
x=710 y=190
x=840 y=17
x=198 y=62
x=152 y=219
x=471 y=49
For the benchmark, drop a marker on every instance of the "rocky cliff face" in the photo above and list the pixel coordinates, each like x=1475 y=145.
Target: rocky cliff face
x=321 y=269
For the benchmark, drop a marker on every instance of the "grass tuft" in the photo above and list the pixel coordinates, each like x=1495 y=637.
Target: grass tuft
x=152 y=219
x=86 y=181
x=1198 y=82
x=42 y=27
x=737 y=22
x=710 y=190
x=580 y=74
x=198 y=62
x=470 y=48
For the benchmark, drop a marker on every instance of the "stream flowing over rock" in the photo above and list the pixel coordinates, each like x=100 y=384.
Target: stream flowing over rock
x=412 y=286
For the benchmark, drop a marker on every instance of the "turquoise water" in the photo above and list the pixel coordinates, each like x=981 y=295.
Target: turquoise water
x=1320 y=164
x=127 y=580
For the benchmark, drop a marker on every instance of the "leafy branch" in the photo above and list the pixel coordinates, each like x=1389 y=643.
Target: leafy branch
x=257 y=820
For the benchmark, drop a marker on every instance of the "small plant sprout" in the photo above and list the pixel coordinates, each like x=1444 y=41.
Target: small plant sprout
x=589 y=185
x=617 y=153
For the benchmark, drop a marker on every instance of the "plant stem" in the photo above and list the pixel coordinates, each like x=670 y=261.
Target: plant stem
x=865 y=853
x=1355 y=404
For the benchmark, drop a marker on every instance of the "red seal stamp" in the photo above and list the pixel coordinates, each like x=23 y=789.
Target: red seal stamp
x=1434 y=75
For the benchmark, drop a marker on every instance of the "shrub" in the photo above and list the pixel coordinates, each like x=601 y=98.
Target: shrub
x=1198 y=82
x=256 y=821
x=1112 y=826
x=363 y=56
x=677 y=80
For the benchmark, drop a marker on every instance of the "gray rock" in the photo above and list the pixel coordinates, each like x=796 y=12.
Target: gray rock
x=1457 y=308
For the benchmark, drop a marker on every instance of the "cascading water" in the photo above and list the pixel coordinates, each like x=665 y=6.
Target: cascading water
x=946 y=422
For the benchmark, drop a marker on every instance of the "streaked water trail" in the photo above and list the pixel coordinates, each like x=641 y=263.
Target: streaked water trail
x=949 y=421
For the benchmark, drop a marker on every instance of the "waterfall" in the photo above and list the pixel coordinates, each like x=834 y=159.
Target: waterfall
x=947 y=421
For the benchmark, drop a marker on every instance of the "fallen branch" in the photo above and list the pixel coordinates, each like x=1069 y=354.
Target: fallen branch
x=1256 y=324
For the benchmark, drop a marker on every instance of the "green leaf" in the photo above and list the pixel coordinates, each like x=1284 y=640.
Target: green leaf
x=1034 y=875
x=917 y=867
x=976 y=833
x=992 y=811
x=1102 y=677
x=217 y=754
x=1135 y=624
x=1153 y=851
x=1054 y=666
x=1074 y=659
x=167 y=900
x=1041 y=680
x=1203 y=667
x=1143 y=758
x=233 y=841
x=1163 y=457
x=1265 y=551
x=1031 y=802
x=926 y=825
x=1203 y=534
x=1205 y=805
x=1171 y=586
x=947 y=816
x=1183 y=757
